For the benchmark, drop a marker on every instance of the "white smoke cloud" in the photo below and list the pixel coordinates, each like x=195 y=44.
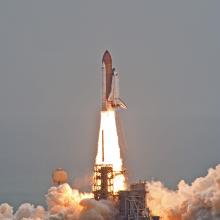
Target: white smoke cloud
x=28 y=212
x=64 y=203
x=25 y=212
x=198 y=201
x=97 y=210
x=67 y=203
x=6 y=212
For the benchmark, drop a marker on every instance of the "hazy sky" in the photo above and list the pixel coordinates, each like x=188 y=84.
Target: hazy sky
x=168 y=56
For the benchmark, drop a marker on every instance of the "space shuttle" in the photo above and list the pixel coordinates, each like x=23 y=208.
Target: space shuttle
x=110 y=85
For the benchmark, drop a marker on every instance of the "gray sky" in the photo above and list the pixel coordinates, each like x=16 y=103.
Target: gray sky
x=168 y=57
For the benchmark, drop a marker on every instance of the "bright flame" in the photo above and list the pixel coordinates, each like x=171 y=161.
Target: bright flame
x=108 y=131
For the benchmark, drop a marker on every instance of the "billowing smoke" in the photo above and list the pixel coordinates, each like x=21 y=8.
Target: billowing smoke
x=25 y=212
x=64 y=203
x=198 y=201
x=6 y=211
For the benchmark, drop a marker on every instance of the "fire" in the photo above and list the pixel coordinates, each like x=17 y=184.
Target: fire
x=108 y=148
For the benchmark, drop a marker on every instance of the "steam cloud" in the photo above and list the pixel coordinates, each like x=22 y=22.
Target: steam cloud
x=64 y=203
x=198 y=201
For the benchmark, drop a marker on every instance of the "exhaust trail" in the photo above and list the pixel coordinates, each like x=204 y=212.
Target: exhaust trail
x=108 y=148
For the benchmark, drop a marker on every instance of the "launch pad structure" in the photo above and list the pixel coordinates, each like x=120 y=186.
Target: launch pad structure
x=103 y=187
x=133 y=203
x=103 y=181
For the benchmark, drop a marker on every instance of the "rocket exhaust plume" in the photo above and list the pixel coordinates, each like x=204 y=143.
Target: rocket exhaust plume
x=109 y=150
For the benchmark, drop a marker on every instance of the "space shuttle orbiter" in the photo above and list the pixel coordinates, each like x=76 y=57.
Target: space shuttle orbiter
x=110 y=85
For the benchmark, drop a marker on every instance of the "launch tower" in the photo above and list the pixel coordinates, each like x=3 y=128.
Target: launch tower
x=103 y=181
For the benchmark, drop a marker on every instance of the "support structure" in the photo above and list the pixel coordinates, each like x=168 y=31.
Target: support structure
x=103 y=181
x=133 y=205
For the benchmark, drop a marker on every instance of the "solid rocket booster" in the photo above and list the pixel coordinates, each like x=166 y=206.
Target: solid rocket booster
x=110 y=85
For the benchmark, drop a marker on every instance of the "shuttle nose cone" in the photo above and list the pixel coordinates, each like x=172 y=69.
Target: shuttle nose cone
x=107 y=59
